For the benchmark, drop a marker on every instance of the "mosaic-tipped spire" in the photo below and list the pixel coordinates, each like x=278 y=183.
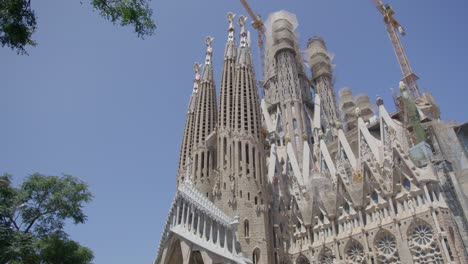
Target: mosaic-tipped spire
x=204 y=125
x=208 y=67
x=187 y=137
x=196 y=82
x=243 y=32
x=231 y=29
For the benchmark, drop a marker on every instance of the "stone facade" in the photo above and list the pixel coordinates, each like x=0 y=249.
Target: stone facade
x=279 y=180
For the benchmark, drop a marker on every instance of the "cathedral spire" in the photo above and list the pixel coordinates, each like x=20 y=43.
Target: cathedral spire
x=187 y=137
x=208 y=67
x=230 y=18
x=243 y=32
x=204 y=126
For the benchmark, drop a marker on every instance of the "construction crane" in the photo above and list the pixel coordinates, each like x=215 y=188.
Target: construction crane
x=258 y=25
x=394 y=30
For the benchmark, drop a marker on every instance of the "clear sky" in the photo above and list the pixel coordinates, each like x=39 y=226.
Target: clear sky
x=94 y=101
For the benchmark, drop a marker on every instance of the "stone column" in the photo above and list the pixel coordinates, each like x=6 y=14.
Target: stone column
x=211 y=231
x=233 y=242
x=198 y=233
x=225 y=237
x=177 y=213
x=218 y=242
x=428 y=197
x=192 y=225
x=182 y=221
x=204 y=226
x=187 y=216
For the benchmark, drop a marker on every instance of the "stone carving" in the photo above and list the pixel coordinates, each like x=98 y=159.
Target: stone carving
x=386 y=248
x=422 y=243
x=355 y=252
x=327 y=256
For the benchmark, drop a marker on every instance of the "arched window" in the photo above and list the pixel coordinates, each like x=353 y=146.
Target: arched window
x=246 y=228
x=248 y=196
x=375 y=197
x=294 y=123
x=240 y=194
x=256 y=200
x=386 y=247
x=302 y=260
x=346 y=207
x=407 y=184
x=256 y=256
x=423 y=243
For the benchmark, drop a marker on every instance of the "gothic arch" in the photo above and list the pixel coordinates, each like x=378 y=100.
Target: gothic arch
x=423 y=243
x=326 y=256
x=386 y=247
x=174 y=254
x=354 y=252
x=256 y=256
x=302 y=260
x=196 y=258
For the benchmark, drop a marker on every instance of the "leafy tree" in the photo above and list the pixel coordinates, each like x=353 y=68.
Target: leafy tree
x=18 y=20
x=32 y=218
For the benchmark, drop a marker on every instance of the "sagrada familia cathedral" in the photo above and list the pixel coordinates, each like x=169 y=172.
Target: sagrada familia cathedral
x=292 y=177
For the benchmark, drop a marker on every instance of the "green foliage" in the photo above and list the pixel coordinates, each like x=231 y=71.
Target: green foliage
x=54 y=249
x=17 y=24
x=128 y=12
x=32 y=218
x=18 y=20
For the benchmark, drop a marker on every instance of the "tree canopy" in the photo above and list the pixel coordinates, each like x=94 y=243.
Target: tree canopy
x=18 y=19
x=32 y=220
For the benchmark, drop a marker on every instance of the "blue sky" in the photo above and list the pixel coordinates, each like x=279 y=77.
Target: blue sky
x=94 y=101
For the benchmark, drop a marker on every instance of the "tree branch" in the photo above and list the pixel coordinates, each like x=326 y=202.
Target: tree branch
x=14 y=223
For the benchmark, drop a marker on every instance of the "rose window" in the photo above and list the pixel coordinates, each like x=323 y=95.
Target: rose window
x=422 y=235
x=356 y=253
x=387 y=245
x=327 y=257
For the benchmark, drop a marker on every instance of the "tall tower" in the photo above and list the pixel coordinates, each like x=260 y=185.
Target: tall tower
x=288 y=106
x=226 y=108
x=248 y=160
x=187 y=138
x=320 y=64
x=204 y=125
x=287 y=89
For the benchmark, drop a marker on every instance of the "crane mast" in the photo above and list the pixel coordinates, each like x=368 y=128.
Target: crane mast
x=258 y=25
x=394 y=30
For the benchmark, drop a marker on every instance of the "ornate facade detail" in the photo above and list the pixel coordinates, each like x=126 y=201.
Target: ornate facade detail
x=386 y=248
x=307 y=191
x=327 y=256
x=423 y=243
x=354 y=252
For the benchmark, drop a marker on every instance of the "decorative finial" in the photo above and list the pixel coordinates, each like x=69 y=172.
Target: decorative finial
x=230 y=19
x=209 y=49
x=379 y=100
x=208 y=41
x=321 y=135
x=242 y=20
x=404 y=90
x=338 y=125
x=357 y=112
x=403 y=86
x=243 y=33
